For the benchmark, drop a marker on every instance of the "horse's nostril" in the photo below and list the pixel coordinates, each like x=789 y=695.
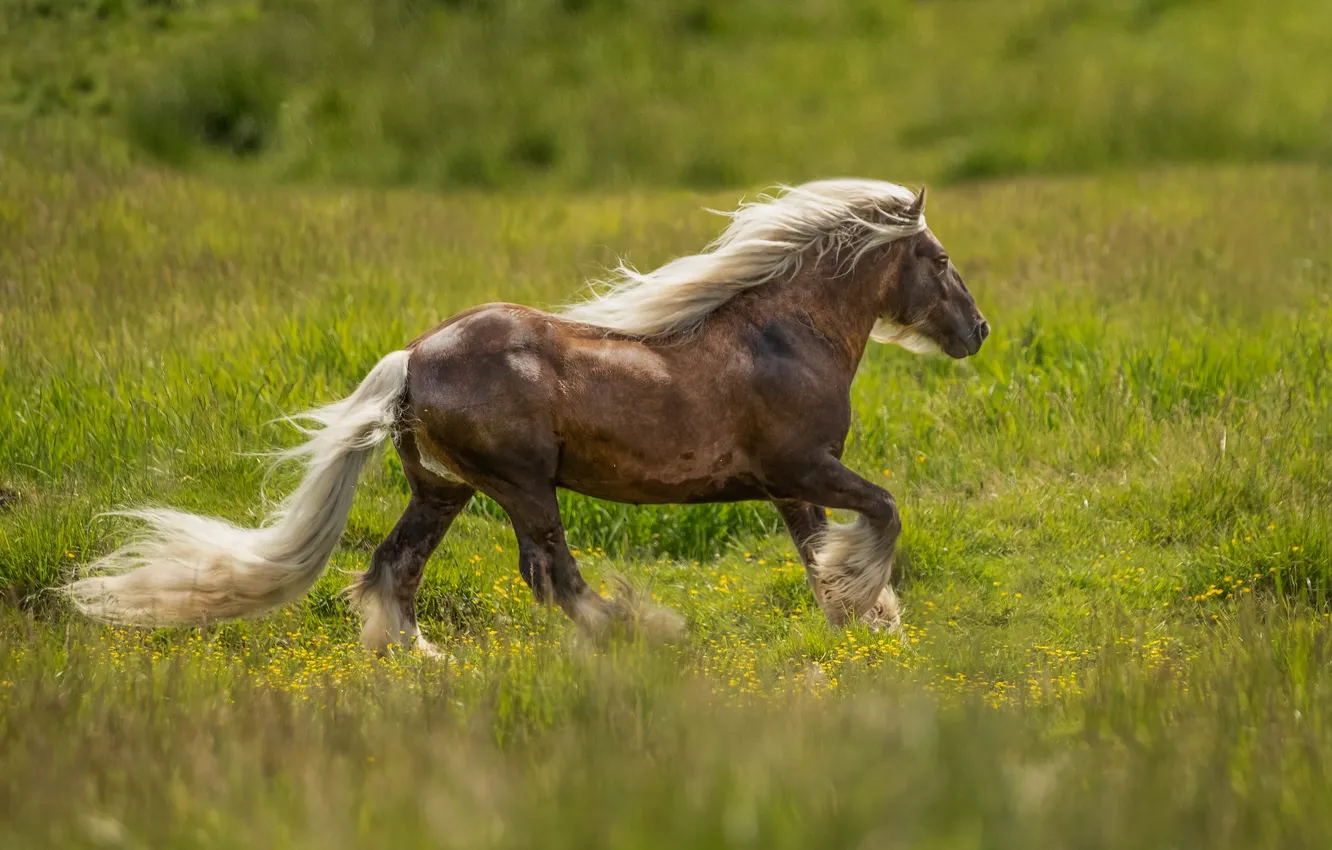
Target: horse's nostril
x=982 y=330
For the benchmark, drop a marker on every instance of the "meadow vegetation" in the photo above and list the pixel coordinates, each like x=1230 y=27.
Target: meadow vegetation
x=1117 y=555
x=1115 y=564
x=612 y=93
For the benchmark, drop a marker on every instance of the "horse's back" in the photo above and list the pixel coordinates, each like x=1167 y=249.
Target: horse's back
x=603 y=413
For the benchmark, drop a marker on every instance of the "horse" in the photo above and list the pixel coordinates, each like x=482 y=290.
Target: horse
x=720 y=376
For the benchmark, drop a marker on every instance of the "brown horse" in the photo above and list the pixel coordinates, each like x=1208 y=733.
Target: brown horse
x=720 y=376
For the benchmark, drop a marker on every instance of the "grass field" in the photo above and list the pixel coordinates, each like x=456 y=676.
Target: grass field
x=1115 y=569
x=608 y=94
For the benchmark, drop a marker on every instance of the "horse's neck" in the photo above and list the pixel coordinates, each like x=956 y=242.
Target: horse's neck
x=842 y=308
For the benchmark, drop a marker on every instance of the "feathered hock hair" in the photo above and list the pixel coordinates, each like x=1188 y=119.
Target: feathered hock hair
x=767 y=239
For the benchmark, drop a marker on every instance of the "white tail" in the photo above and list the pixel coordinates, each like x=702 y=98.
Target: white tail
x=193 y=569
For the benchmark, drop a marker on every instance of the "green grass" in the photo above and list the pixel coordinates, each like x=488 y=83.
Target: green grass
x=550 y=747
x=1115 y=566
x=614 y=93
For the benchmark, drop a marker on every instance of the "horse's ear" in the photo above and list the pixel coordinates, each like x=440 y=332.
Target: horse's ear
x=917 y=208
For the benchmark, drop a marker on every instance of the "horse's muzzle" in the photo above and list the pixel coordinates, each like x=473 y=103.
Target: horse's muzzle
x=977 y=336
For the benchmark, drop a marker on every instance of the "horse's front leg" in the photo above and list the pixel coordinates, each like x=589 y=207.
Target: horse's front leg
x=804 y=522
x=848 y=565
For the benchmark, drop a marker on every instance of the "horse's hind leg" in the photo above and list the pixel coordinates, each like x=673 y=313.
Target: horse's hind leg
x=544 y=559
x=385 y=594
x=550 y=570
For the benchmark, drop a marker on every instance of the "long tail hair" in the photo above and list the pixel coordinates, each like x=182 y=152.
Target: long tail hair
x=193 y=569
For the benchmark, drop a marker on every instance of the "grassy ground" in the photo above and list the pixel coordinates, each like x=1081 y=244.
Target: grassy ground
x=1115 y=567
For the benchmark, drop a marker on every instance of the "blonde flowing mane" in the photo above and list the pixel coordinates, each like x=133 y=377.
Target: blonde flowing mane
x=766 y=240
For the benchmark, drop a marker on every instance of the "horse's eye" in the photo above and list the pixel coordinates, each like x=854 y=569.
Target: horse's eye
x=942 y=261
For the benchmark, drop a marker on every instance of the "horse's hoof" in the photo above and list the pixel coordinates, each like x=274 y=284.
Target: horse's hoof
x=627 y=614
x=645 y=618
x=885 y=615
x=426 y=649
x=661 y=624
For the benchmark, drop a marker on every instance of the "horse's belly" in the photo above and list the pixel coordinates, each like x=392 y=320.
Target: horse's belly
x=653 y=476
x=646 y=491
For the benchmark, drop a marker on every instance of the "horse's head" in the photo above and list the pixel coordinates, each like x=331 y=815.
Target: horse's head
x=926 y=307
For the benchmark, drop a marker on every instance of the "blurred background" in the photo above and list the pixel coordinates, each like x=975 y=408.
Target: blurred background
x=589 y=94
